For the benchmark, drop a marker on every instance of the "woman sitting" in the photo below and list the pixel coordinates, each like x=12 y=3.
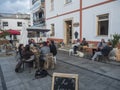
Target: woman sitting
x=28 y=55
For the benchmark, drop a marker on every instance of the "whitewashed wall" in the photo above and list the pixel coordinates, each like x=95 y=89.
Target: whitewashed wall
x=86 y=3
x=33 y=8
x=61 y=8
x=12 y=23
x=90 y=20
x=59 y=24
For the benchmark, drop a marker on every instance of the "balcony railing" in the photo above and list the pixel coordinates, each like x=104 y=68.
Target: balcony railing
x=33 y=1
x=39 y=21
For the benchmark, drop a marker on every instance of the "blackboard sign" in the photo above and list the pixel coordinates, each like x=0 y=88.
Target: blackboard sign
x=62 y=81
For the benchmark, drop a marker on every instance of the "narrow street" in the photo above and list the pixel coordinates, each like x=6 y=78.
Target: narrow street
x=89 y=78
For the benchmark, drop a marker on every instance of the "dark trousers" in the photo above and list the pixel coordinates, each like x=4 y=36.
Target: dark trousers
x=93 y=51
x=75 y=48
x=42 y=61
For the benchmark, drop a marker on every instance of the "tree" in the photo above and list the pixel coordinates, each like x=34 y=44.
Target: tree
x=3 y=33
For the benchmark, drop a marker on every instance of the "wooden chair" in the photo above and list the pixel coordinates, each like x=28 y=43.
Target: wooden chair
x=49 y=62
x=118 y=55
x=103 y=58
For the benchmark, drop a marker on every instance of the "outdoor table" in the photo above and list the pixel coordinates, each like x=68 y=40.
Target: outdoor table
x=89 y=49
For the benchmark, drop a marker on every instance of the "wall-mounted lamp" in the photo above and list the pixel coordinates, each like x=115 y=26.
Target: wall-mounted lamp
x=69 y=25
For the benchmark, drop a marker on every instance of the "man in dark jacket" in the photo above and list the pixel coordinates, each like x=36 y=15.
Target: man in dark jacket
x=53 y=49
x=105 y=51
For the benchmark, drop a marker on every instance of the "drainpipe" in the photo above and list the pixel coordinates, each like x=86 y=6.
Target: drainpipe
x=80 y=20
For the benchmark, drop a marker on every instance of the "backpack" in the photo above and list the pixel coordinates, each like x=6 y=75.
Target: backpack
x=40 y=73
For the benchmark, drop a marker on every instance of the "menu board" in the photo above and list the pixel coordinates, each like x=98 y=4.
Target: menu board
x=63 y=81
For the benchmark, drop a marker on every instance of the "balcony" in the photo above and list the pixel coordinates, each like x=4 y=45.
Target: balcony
x=40 y=22
x=34 y=1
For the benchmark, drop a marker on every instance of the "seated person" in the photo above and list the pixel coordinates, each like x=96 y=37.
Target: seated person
x=27 y=53
x=21 y=50
x=44 y=50
x=84 y=42
x=35 y=50
x=75 y=46
x=100 y=45
x=104 y=51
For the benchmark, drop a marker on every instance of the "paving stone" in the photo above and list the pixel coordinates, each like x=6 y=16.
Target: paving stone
x=89 y=78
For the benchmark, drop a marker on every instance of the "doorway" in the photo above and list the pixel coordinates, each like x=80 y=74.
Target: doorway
x=68 y=32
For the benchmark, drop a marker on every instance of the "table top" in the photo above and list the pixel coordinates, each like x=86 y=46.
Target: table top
x=86 y=47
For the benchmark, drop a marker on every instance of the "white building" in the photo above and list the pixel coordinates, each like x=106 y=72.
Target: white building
x=37 y=13
x=15 y=22
x=92 y=19
x=38 y=27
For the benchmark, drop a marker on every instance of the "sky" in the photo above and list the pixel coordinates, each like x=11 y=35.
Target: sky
x=14 y=6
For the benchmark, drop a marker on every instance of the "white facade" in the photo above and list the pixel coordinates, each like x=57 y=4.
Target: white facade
x=90 y=19
x=37 y=8
x=91 y=9
x=60 y=13
x=12 y=23
x=16 y=22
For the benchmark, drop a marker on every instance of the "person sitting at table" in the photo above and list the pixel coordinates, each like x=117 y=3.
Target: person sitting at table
x=21 y=50
x=44 y=50
x=83 y=43
x=100 y=46
x=28 y=56
x=75 y=46
x=27 y=52
x=104 y=51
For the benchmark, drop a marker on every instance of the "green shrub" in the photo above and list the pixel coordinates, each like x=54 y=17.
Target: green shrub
x=115 y=40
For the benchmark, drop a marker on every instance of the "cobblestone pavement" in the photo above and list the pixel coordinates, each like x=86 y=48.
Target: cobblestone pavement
x=89 y=78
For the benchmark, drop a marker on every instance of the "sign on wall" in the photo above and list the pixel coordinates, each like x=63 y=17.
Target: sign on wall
x=76 y=24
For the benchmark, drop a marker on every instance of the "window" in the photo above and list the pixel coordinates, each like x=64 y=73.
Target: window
x=52 y=5
x=103 y=21
x=52 y=30
x=68 y=1
x=19 y=24
x=5 y=23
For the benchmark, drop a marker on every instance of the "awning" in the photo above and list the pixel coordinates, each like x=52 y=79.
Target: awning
x=13 y=32
x=37 y=29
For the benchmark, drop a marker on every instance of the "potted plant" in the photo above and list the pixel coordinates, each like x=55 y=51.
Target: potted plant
x=115 y=40
x=3 y=34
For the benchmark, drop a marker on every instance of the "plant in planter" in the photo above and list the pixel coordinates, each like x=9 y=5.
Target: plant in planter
x=115 y=40
x=3 y=34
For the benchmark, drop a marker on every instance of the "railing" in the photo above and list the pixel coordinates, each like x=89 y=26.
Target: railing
x=33 y=1
x=39 y=21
